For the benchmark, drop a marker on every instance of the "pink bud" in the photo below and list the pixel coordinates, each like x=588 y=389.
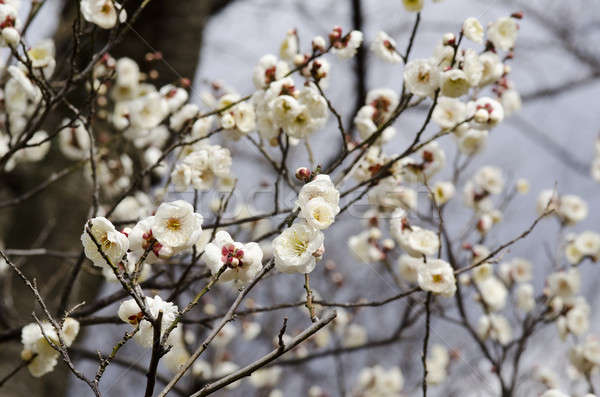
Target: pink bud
x=303 y=174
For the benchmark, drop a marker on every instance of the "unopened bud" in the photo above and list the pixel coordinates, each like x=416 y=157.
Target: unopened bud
x=449 y=39
x=517 y=15
x=11 y=36
x=318 y=43
x=319 y=253
x=303 y=174
x=388 y=244
x=482 y=116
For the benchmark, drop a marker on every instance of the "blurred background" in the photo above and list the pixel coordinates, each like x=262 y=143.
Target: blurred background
x=550 y=142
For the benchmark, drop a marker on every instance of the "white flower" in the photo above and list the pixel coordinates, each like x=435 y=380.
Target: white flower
x=572 y=209
x=588 y=243
x=489 y=179
x=100 y=12
x=129 y=312
x=547 y=201
x=437 y=363
x=176 y=225
x=285 y=109
x=443 y=191
x=389 y=194
x=591 y=349
x=128 y=77
x=200 y=167
x=472 y=66
x=269 y=69
x=148 y=111
x=413 y=5
x=32 y=91
x=225 y=335
x=379 y=382
x=175 y=96
x=496 y=327
x=289 y=46
x=384 y=100
x=525 y=297
x=422 y=77
x=202 y=369
x=266 y=377
x=140 y=237
x=74 y=141
x=522 y=186
x=42 y=58
x=181 y=177
x=113 y=243
x=511 y=101
x=385 y=48
x=487 y=112
x=416 y=241
x=449 y=112
x=243 y=261
x=316 y=106
x=472 y=141
x=578 y=317
x=225 y=368
x=347 y=47
x=70 y=330
x=184 y=115
x=318 y=201
x=595 y=169
x=35 y=343
x=40 y=145
x=295 y=248
x=437 y=276
x=503 y=33
x=520 y=270
x=454 y=83
x=319 y=213
x=363 y=246
x=244 y=117
x=564 y=284
x=201 y=127
x=354 y=335
x=11 y=36
x=493 y=292
x=473 y=30
x=492 y=68
x=408 y=267
x=572 y=253
x=175 y=358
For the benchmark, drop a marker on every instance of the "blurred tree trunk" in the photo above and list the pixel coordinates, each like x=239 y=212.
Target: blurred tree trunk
x=54 y=218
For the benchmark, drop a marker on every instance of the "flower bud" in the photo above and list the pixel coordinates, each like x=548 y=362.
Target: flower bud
x=318 y=43
x=11 y=36
x=517 y=15
x=319 y=253
x=482 y=116
x=449 y=39
x=303 y=174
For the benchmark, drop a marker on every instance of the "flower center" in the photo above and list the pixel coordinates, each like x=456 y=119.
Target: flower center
x=437 y=278
x=299 y=245
x=173 y=224
x=232 y=256
x=106 y=7
x=135 y=318
x=105 y=242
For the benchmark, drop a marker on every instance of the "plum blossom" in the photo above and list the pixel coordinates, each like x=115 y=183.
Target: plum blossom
x=113 y=243
x=297 y=248
x=242 y=261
